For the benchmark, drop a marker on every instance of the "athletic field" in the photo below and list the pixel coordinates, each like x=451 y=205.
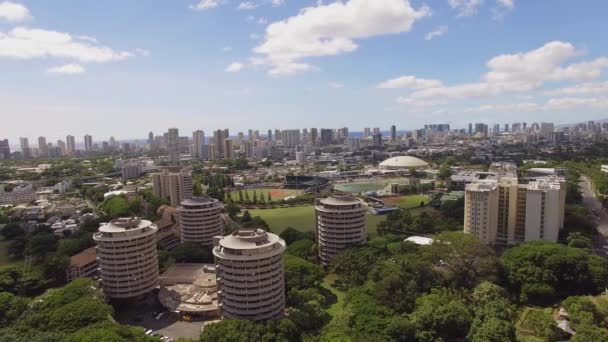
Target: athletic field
x=276 y=195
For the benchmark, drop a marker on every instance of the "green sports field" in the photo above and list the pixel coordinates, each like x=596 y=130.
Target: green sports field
x=276 y=195
x=407 y=202
x=370 y=185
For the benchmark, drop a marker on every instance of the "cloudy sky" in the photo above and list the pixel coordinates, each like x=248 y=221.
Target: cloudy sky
x=125 y=67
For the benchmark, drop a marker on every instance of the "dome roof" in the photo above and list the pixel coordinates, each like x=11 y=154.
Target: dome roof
x=403 y=162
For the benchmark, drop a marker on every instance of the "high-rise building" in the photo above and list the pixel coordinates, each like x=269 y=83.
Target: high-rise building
x=173 y=147
x=228 y=149
x=377 y=139
x=176 y=186
x=127 y=257
x=200 y=219
x=5 y=150
x=496 y=129
x=376 y=130
x=43 y=147
x=62 y=148
x=269 y=135
x=340 y=224
x=470 y=128
x=546 y=130
x=506 y=127
x=314 y=135
x=151 y=141
x=24 y=143
x=367 y=132
x=251 y=282
x=503 y=212
x=70 y=143
x=219 y=138
x=393 y=133
x=290 y=137
x=198 y=140
x=88 y=143
x=327 y=136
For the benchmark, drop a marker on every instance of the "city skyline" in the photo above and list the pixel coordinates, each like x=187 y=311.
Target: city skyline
x=66 y=71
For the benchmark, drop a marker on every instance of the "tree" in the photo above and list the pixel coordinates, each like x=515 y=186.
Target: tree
x=55 y=267
x=109 y=332
x=578 y=240
x=12 y=230
x=268 y=197
x=589 y=333
x=444 y=171
x=463 y=259
x=494 y=330
x=441 y=314
x=233 y=330
x=539 y=270
x=300 y=273
x=40 y=243
x=255 y=197
x=291 y=235
x=11 y=308
x=302 y=248
x=78 y=314
x=232 y=209
x=241 y=196
x=192 y=252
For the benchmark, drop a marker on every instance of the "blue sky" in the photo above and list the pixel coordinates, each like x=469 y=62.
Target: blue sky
x=123 y=68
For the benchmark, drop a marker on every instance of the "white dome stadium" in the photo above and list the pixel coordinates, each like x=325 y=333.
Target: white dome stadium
x=403 y=162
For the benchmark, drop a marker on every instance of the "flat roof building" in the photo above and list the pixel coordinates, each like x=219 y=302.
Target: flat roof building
x=127 y=257
x=250 y=275
x=175 y=186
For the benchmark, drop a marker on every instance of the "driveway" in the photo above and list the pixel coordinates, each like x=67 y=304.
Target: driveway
x=593 y=204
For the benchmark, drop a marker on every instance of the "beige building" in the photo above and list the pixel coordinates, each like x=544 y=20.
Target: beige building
x=250 y=275
x=127 y=258
x=175 y=186
x=340 y=225
x=504 y=212
x=83 y=265
x=200 y=219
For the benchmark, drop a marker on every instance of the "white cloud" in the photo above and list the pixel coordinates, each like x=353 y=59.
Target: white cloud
x=25 y=43
x=227 y=48
x=521 y=72
x=335 y=85
x=276 y=3
x=580 y=89
x=247 y=5
x=466 y=8
x=262 y=21
x=419 y=103
x=554 y=104
x=234 y=67
x=438 y=32
x=142 y=52
x=205 y=5
x=14 y=12
x=329 y=30
x=508 y=4
x=254 y=36
x=410 y=82
x=68 y=69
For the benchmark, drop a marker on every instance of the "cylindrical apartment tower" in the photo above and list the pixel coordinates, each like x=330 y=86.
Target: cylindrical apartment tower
x=250 y=275
x=200 y=219
x=340 y=224
x=127 y=259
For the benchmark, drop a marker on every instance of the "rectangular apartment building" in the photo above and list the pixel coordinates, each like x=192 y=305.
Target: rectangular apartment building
x=175 y=186
x=504 y=212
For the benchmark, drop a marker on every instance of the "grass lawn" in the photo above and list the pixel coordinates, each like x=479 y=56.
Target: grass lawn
x=276 y=195
x=407 y=202
x=336 y=308
x=302 y=219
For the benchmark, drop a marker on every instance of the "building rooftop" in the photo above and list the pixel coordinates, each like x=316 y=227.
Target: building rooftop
x=84 y=258
x=249 y=239
x=403 y=162
x=341 y=200
x=419 y=240
x=198 y=201
x=123 y=224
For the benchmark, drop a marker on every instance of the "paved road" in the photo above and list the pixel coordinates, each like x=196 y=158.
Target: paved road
x=592 y=203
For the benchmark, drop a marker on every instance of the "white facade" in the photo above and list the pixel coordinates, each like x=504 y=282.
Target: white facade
x=200 y=220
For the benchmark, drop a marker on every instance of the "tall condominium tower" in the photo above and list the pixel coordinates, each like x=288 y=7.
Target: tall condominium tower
x=43 y=147
x=127 y=257
x=176 y=186
x=367 y=132
x=88 y=143
x=340 y=224
x=504 y=212
x=250 y=275
x=151 y=142
x=219 y=137
x=228 y=149
x=173 y=147
x=393 y=133
x=198 y=140
x=25 y=147
x=5 y=150
x=70 y=143
x=200 y=219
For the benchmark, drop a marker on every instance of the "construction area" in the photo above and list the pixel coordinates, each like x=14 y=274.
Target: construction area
x=190 y=290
